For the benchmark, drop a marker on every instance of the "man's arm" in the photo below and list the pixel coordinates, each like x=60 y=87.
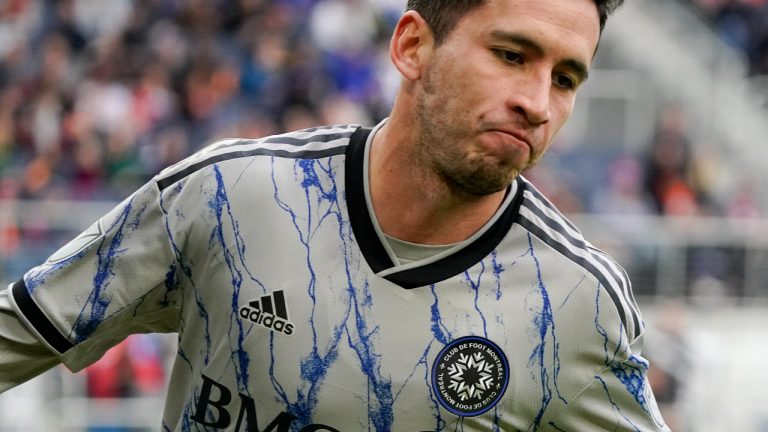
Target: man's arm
x=22 y=355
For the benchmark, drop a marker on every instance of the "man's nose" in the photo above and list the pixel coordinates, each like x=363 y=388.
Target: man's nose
x=531 y=98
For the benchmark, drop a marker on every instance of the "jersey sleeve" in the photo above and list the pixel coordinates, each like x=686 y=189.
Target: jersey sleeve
x=22 y=355
x=619 y=398
x=114 y=279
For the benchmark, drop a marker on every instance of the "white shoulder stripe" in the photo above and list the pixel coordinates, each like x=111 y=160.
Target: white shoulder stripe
x=552 y=224
x=543 y=203
x=316 y=140
x=250 y=145
x=552 y=214
x=606 y=267
x=552 y=220
x=551 y=217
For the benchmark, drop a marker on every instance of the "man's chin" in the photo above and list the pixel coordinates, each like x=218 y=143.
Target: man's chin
x=483 y=185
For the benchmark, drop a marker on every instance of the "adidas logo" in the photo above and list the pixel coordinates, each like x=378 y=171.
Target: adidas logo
x=270 y=312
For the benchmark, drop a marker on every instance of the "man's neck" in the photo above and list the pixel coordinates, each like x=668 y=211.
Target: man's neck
x=412 y=203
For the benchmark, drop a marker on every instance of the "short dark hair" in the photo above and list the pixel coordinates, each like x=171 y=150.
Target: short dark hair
x=442 y=15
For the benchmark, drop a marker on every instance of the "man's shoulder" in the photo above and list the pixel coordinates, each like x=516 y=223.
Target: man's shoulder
x=539 y=216
x=544 y=220
x=312 y=143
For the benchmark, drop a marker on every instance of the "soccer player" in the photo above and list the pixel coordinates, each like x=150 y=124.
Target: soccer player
x=403 y=277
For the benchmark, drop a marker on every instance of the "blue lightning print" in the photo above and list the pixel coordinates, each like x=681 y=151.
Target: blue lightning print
x=94 y=311
x=475 y=285
x=380 y=409
x=544 y=322
x=219 y=204
x=186 y=269
x=315 y=366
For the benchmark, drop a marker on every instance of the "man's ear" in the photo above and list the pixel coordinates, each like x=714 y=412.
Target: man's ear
x=411 y=45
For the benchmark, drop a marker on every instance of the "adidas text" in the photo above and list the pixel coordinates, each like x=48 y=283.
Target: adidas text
x=266 y=320
x=269 y=311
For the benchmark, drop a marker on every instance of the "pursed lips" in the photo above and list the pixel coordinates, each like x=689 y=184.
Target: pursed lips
x=515 y=135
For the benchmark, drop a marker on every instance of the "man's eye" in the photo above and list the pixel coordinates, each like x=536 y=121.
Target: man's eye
x=509 y=56
x=565 y=81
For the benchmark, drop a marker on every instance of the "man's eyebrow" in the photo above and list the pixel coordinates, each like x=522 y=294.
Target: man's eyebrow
x=579 y=68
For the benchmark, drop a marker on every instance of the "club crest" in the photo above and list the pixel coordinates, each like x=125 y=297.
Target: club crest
x=470 y=375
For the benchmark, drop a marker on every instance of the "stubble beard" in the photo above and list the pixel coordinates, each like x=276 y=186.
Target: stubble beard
x=443 y=147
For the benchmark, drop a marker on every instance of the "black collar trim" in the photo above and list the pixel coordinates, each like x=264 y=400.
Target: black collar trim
x=374 y=251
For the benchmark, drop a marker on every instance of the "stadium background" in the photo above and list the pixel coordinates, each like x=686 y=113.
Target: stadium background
x=663 y=164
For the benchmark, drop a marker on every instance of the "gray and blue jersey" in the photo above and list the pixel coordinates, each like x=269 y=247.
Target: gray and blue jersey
x=294 y=314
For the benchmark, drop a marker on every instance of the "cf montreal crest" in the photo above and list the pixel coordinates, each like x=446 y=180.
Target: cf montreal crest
x=470 y=375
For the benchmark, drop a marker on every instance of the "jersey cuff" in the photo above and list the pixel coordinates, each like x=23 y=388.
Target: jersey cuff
x=36 y=320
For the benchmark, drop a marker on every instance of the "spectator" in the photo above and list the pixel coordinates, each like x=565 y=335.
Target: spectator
x=670 y=171
x=120 y=89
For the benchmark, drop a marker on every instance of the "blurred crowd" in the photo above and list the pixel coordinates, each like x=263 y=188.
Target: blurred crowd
x=741 y=24
x=96 y=97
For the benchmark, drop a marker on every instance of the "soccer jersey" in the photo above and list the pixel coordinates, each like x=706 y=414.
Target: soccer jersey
x=294 y=314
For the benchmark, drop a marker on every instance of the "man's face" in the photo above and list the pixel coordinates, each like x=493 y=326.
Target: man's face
x=499 y=88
